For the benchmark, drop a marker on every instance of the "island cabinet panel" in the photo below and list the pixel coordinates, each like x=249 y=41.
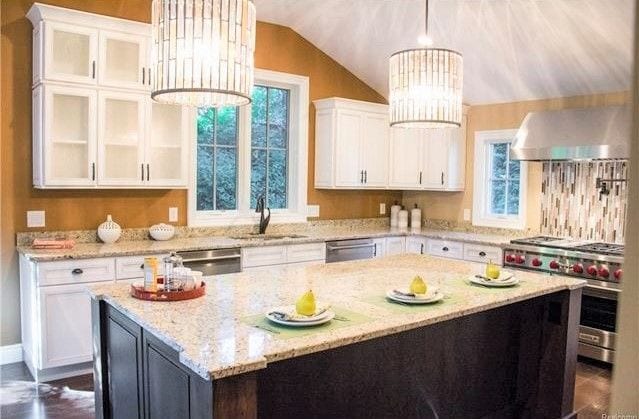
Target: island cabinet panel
x=164 y=380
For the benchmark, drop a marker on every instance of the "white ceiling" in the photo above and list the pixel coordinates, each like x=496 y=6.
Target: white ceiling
x=513 y=49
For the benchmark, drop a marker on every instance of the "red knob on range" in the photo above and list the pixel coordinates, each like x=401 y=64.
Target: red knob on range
x=618 y=273
x=536 y=262
x=592 y=270
x=510 y=258
x=603 y=271
x=578 y=268
x=554 y=264
x=520 y=259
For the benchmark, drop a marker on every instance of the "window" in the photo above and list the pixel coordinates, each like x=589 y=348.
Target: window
x=500 y=183
x=259 y=149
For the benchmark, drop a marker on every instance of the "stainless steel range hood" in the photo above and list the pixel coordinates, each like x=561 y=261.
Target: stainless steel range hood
x=574 y=134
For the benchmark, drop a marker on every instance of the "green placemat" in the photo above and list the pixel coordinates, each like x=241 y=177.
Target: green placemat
x=343 y=318
x=382 y=301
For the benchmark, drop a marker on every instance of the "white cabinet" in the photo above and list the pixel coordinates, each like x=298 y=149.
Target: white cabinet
x=395 y=246
x=445 y=248
x=351 y=144
x=65 y=52
x=416 y=245
x=124 y=60
x=482 y=253
x=405 y=158
x=380 y=247
x=166 y=145
x=132 y=267
x=263 y=256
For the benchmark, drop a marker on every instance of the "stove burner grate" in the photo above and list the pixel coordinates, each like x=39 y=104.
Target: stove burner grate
x=601 y=248
x=536 y=240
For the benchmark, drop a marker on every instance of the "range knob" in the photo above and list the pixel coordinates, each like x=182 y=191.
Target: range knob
x=536 y=262
x=554 y=264
x=520 y=259
x=578 y=268
x=618 y=273
x=603 y=271
x=592 y=270
x=510 y=258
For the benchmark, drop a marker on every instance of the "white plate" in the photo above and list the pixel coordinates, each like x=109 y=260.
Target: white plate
x=433 y=298
x=321 y=320
x=298 y=317
x=496 y=283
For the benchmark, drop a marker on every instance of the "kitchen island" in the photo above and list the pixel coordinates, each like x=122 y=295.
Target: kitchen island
x=480 y=352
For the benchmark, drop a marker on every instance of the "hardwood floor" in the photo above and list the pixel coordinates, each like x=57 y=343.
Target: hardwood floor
x=72 y=398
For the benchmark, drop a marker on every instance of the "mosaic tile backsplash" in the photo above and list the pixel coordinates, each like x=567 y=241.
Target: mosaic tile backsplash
x=573 y=206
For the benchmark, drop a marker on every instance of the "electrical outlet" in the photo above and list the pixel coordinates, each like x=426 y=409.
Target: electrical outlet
x=382 y=208
x=173 y=215
x=35 y=219
x=312 y=210
x=466 y=214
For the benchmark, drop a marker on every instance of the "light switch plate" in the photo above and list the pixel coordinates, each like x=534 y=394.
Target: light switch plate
x=312 y=210
x=173 y=215
x=466 y=214
x=382 y=208
x=35 y=219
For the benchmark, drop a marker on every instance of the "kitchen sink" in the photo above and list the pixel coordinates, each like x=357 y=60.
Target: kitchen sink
x=256 y=236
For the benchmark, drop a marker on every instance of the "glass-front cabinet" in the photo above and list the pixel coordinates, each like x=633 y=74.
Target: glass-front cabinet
x=124 y=61
x=70 y=53
x=166 y=145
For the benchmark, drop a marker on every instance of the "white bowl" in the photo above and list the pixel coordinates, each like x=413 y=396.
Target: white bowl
x=162 y=231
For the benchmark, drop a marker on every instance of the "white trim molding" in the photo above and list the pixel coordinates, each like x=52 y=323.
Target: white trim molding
x=298 y=158
x=10 y=354
x=481 y=217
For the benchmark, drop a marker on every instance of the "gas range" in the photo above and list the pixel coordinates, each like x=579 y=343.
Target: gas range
x=599 y=263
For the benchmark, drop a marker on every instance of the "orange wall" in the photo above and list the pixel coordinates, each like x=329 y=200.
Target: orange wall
x=278 y=48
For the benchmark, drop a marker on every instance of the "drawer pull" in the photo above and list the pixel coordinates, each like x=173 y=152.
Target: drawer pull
x=482 y=254
x=142 y=266
x=445 y=249
x=77 y=271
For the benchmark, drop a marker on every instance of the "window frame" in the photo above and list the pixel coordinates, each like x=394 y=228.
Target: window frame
x=482 y=179
x=296 y=212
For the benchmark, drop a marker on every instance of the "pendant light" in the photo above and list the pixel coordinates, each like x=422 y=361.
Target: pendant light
x=425 y=86
x=203 y=52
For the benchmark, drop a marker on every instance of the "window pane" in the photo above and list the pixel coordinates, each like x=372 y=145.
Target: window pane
x=277 y=117
x=513 y=198
x=258 y=116
x=226 y=126
x=499 y=159
x=515 y=169
x=258 y=175
x=498 y=197
x=277 y=175
x=205 y=125
x=226 y=178
x=204 y=178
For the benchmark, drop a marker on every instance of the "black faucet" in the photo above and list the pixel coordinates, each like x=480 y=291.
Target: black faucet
x=261 y=203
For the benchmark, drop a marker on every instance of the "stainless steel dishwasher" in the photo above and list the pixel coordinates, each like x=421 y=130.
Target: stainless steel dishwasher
x=341 y=250
x=213 y=262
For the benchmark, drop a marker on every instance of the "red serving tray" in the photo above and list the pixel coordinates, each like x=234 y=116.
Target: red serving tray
x=138 y=291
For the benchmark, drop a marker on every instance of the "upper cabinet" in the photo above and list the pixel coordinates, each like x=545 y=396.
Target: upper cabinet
x=94 y=123
x=351 y=144
x=356 y=149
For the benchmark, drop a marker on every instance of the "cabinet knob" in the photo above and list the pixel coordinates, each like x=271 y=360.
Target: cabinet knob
x=445 y=249
x=77 y=271
x=142 y=266
x=482 y=254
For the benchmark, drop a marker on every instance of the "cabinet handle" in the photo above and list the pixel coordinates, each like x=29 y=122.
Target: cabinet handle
x=142 y=266
x=422 y=250
x=143 y=76
x=375 y=250
x=365 y=176
x=149 y=78
x=445 y=249
x=93 y=171
x=142 y=172
x=482 y=254
x=420 y=177
x=442 y=178
x=148 y=171
x=77 y=271
x=93 y=69
x=361 y=176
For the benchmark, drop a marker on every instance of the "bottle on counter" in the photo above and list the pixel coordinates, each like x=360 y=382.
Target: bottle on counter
x=416 y=219
x=394 y=214
x=171 y=262
x=151 y=274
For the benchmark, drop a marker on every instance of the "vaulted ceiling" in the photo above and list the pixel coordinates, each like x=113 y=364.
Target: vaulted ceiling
x=513 y=49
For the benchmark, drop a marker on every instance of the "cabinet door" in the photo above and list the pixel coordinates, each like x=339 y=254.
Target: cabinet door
x=445 y=248
x=121 y=138
x=166 y=151
x=374 y=150
x=416 y=245
x=69 y=136
x=348 y=171
x=435 y=157
x=123 y=61
x=456 y=170
x=405 y=158
x=65 y=321
x=395 y=245
x=70 y=53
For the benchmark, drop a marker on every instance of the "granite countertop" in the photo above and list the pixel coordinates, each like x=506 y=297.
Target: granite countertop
x=215 y=341
x=311 y=235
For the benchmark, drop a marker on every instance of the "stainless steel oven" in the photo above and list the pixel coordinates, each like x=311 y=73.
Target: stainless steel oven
x=598 y=323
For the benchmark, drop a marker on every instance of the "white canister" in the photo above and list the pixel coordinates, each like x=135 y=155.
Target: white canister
x=109 y=231
x=416 y=218
x=394 y=214
x=402 y=219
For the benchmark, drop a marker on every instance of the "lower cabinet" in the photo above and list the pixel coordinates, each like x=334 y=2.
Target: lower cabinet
x=141 y=376
x=265 y=256
x=395 y=245
x=380 y=247
x=416 y=245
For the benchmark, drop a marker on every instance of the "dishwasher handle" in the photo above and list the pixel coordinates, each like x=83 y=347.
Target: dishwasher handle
x=351 y=246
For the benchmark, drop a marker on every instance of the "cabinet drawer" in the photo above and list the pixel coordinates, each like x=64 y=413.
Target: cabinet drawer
x=263 y=256
x=76 y=271
x=133 y=266
x=481 y=253
x=306 y=252
x=445 y=248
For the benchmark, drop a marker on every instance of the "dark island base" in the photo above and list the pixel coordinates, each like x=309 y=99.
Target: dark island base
x=517 y=361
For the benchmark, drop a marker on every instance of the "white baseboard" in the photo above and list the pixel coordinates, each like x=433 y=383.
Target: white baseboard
x=10 y=354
